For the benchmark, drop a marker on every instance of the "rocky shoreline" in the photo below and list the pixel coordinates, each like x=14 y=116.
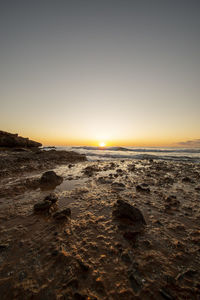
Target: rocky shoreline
x=98 y=230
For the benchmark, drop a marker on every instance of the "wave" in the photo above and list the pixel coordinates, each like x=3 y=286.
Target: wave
x=144 y=150
x=142 y=157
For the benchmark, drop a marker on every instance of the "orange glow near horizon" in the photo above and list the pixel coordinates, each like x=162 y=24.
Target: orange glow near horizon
x=139 y=138
x=111 y=143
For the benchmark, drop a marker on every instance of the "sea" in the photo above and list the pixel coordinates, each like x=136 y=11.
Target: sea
x=140 y=153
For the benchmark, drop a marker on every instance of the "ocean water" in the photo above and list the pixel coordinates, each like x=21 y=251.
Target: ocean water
x=113 y=153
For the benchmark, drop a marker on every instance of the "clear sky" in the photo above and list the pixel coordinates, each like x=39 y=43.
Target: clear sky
x=123 y=72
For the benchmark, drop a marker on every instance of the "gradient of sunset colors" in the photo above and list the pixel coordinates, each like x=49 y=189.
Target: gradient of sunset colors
x=121 y=72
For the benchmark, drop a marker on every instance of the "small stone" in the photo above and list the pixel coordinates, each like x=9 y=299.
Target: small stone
x=70 y=166
x=42 y=206
x=136 y=286
x=118 y=186
x=73 y=283
x=3 y=247
x=126 y=258
x=84 y=266
x=187 y=180
x=165 y=294
x=22 y=275
x=143 y=188
x=55 y=253
x=78 y=296
x=53 y=198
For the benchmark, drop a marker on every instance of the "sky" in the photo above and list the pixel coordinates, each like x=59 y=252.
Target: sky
x=84 y=72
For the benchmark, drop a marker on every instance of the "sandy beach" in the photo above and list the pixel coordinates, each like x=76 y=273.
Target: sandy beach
x=98 y=249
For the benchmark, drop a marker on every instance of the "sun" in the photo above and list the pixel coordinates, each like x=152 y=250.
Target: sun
x=102 y=144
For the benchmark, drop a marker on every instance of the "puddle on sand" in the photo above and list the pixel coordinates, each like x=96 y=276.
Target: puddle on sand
x=69 y=185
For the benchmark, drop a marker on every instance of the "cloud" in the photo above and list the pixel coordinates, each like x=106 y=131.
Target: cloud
x=191 y=143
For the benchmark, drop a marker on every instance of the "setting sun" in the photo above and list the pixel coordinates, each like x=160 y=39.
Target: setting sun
x=102 y=144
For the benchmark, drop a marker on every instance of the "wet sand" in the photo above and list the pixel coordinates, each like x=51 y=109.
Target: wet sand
x=91 y=255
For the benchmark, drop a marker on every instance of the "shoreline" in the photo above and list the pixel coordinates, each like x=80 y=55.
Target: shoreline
x=91 y=255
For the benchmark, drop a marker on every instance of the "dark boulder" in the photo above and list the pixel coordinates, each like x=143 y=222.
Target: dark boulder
x=50 y=178
x=123 y=210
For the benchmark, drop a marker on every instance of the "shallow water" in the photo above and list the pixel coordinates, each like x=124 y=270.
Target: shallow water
x=114 y=153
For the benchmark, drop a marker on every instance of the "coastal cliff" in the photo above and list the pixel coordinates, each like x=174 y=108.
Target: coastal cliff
x=14 y=140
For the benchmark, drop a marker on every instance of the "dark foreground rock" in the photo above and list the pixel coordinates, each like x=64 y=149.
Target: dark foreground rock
x=13 y=140
x=50 y=178
x=123 y=210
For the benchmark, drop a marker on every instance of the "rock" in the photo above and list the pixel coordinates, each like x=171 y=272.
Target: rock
x=73 y=282
x=103 y=180
x=55 y=252
x=62 y=215
x=123 y=210
x=50 y=178
x=99 y=286
x=42 y=206
x=143 y=188
x=119 y=171
x=188 y=273
x=131 y=168
x=112 y=165
x=187 y=180
x=118 y=186
x=13 y=140
x=3 y=247
x=135 y=284
x=126 y=257
x=70 y=166
x=22 y=275
x=123 y=294
x=78 y=296
x=53 y=198
x=172 y=201
x=84 y=267
x=165 y=294
x=89 y=170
